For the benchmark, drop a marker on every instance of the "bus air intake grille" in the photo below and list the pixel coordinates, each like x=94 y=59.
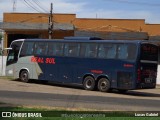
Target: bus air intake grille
x=124 y=80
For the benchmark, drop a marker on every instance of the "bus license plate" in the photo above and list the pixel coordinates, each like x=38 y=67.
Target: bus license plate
x=148 y=80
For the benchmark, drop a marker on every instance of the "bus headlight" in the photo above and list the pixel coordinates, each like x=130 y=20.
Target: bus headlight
x=10 y=72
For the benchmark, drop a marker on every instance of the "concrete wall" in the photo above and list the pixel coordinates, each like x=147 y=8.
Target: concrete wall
x=37 y=17
x=115 y=25
x=113 y=35
x=152 y=29
x=158 y=75
x=2 y=65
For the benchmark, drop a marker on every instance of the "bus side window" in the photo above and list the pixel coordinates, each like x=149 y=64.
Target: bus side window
x=83 y=48
x=27 y=49
x=59 y=49
x=51 y=49
x=40 y=48
x=55 y=49
x=132 y=48
x=111 y=53
x=92 y=50
x=71 y=50
x=101 y=51
x=122 y=51
x=66 y=49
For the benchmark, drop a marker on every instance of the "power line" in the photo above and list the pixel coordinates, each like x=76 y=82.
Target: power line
x=27 y=4
x=33 y=5
x=38 y=4
x=136 y=3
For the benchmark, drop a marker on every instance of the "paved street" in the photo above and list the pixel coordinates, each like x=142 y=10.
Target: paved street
x=50 y=95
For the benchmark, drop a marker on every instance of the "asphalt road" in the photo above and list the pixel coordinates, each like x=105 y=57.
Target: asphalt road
x=35 y=94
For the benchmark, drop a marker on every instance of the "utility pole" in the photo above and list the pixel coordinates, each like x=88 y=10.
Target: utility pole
x=14 y=5
x=50 y=25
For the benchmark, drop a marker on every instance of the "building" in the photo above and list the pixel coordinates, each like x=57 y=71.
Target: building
x=35 y=25
x=32 y=25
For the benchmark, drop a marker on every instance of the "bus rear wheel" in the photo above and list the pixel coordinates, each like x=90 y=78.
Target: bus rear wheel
x=24 y=76
x=89 y=83
x=104 y=85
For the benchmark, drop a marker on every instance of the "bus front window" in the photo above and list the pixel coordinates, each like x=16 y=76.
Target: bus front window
x=13 y=54
x=12 y=57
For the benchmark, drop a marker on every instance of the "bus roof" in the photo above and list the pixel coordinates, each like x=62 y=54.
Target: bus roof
x=87 y=40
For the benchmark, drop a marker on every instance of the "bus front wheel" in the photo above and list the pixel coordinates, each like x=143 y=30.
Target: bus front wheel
x=24 y=77
x=104 y=85
x=89 y=83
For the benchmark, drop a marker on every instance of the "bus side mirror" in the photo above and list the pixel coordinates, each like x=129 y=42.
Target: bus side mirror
x=7 y=48
x=3 y=50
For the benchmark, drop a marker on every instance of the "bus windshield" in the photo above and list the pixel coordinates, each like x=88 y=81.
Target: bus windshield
x=13 y=54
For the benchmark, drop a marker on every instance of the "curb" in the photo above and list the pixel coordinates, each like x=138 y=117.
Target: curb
x=158 y=86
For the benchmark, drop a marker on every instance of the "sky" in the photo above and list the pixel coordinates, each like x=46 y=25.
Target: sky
x=107 y=9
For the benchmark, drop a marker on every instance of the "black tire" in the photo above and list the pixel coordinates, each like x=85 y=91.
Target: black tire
x=89 y=83
x=24 y=76
x=104 y=85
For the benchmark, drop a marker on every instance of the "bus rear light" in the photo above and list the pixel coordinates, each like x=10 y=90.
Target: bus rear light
x=139 y=74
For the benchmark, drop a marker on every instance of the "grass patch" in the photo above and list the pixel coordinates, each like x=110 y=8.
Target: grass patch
x=59 y=114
